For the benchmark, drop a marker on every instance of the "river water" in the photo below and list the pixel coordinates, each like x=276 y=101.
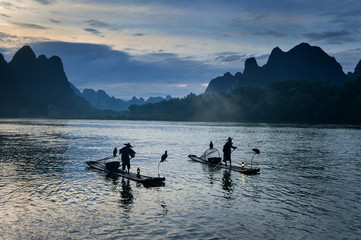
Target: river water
x=309 y=185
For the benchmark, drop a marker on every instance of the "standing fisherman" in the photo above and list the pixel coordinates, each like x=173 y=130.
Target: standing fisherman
x=126 y=152
x=227 y=149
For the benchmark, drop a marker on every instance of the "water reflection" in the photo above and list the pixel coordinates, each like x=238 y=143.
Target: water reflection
x=126 y=193
x=227 y=183
x=164 y=208
x=210 y=173
x=109 y=177
x=126 y=198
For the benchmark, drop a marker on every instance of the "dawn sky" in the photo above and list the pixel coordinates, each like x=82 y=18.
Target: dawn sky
x=154 y=48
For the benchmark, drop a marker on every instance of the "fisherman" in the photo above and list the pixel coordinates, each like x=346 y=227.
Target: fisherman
x=115 y=152
x=227 y=149
x=126 y=152
x=211 y=145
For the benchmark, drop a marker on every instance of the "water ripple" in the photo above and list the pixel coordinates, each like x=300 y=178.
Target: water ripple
x=308 y=187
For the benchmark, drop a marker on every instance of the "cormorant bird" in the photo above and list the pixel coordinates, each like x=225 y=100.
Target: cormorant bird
x=164 y=157
x=257 y=151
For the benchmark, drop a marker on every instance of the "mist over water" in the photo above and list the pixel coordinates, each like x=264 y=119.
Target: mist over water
x=308 y=188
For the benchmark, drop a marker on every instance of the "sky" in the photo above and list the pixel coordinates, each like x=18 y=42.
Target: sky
x=167 y=47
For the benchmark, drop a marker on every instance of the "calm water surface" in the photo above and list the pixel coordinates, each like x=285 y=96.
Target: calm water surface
x=309 y=185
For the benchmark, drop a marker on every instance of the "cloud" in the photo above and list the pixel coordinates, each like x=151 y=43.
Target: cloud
x=96 y=23
x=234 y=34
x=343 y=16
x=93 y=65
x=45 y=2
x=9 y=6
x=237 y=21
x=93 y=31
x=4 y=36
x=11 y=43
x=138 y=34
x=269 y=32
x=348 y=58
x=331 y=37
x=28 y=25
x=230 y=57
x=54 y=21
x=4 y=15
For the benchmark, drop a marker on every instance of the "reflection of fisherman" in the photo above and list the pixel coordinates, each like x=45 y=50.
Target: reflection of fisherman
x=227 y=149
x=115 y=152
x=126 y=152
x=127 y=195
x=211 y=145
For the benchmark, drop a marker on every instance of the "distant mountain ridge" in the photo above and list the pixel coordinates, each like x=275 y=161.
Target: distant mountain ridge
x=101 y=100
x=303 y=62
x=33 y=87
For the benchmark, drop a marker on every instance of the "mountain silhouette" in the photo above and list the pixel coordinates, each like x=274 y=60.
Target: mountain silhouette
x=101 y=100
x=32 y=87
x=356 y=73
x=225 y=84
x=303 y=62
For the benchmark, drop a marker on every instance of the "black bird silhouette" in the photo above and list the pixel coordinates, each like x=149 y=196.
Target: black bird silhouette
x=164 y=157
x=257 y=151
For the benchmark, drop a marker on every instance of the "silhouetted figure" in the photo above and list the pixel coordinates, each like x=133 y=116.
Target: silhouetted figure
x=164 y=157
x=115 y=152
x=227 y=150
x=210 y=145
x=127 y=153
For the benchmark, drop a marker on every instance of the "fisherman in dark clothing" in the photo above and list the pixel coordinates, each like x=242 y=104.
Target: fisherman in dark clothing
x=126 y=152
x=115 y=152
x=227 y=149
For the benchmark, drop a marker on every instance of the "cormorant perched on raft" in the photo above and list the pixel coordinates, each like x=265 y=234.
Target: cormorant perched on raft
x=164 y=157
x=257 y=151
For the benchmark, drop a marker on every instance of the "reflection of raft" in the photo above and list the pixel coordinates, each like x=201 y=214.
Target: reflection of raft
x=211 y=157
x=102 y=166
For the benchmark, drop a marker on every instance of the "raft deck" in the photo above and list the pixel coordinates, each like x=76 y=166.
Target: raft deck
x=229 y=167
x=132 y=176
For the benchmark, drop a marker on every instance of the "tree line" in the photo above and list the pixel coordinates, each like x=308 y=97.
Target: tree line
x=283 y=101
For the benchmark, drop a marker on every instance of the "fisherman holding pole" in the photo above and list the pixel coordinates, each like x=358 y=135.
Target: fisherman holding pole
x=126 y=152
x=227 y=150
